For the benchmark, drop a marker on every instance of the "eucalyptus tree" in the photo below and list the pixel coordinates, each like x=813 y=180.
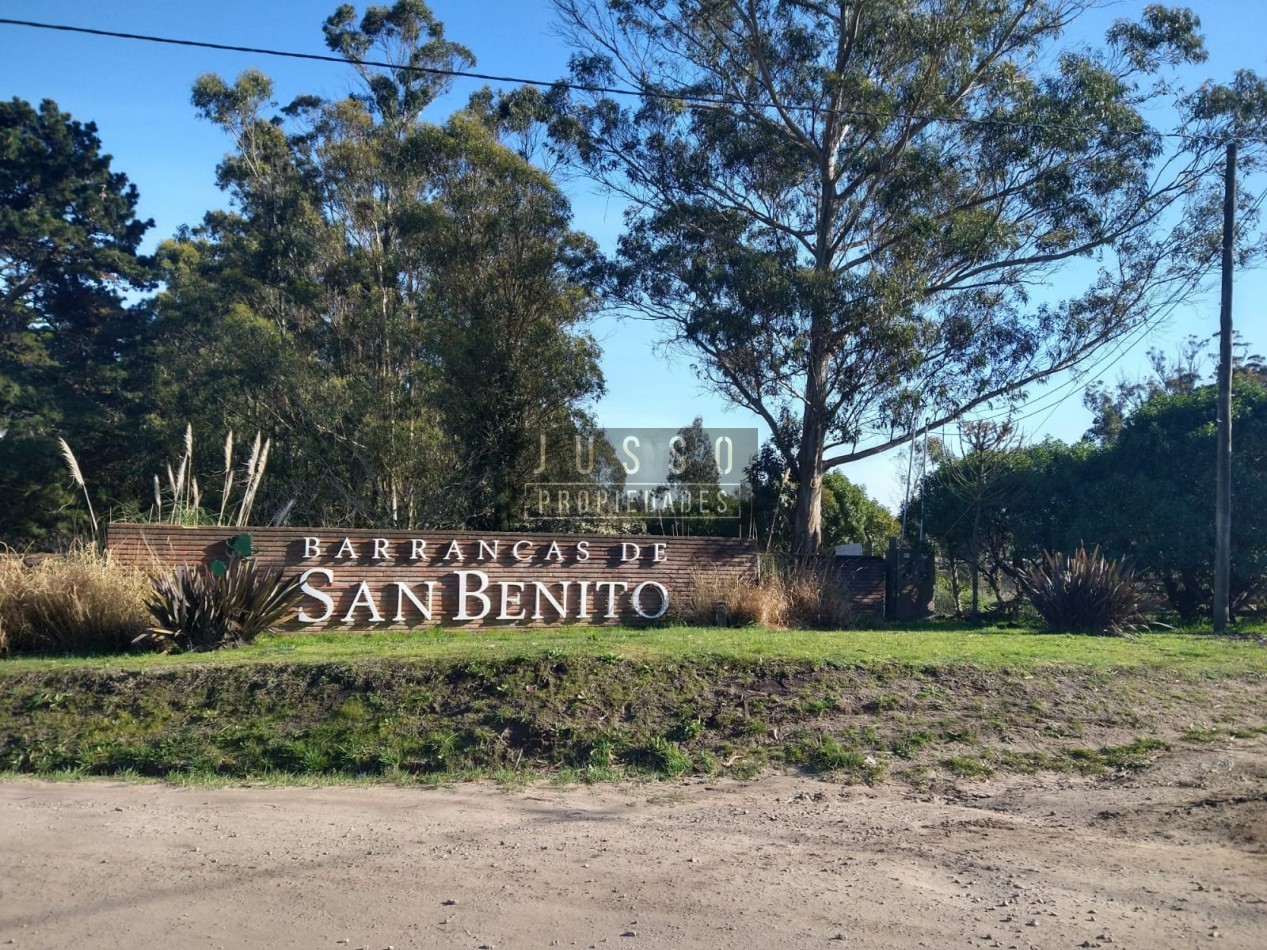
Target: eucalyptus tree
x=878 y=214
x=693 y=461
x=511 y=293
x=415 y=287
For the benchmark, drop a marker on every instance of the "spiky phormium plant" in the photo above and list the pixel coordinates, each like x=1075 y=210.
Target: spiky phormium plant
x=1087 y=593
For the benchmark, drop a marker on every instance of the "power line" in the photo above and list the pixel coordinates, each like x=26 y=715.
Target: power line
x=1053 y=400
x=1108 y=360
x=686 y=98
x=689 y=99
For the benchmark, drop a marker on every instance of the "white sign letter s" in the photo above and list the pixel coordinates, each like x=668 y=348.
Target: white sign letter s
x=319 y=595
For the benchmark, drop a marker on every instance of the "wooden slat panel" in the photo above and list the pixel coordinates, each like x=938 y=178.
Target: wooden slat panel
x=683 y=557
x=575 y=570
x=863 y=578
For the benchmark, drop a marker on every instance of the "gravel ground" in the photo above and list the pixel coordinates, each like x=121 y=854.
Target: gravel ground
x=1172 y=856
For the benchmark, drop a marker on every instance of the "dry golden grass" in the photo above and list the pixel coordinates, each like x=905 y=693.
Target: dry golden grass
x=80 y=602
x=712 y=593
x=791 y=595
x=815 y=596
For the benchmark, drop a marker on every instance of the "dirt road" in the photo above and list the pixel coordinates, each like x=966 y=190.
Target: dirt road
x=1174 y=856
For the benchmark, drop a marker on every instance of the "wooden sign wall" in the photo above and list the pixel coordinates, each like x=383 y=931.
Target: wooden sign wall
x=380 y=580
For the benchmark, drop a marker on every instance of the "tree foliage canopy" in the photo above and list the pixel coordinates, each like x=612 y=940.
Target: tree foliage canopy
x=69 y=341
x=850 y=515
x=411 y=295
x=1147 y=495
x=843 y=210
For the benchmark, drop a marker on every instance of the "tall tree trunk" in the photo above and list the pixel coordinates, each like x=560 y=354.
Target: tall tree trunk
x=807 y=529
x=992 y=578
x=807 y=519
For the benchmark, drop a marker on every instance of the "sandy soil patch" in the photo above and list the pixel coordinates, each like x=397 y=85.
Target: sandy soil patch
x=1173 y=856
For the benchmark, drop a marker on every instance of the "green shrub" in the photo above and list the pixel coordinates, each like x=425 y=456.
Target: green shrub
x=1087 y=593
x=200 y=608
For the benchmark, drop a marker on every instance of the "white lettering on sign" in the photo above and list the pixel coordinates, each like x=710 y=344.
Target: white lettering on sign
x=319 y=595
x=404 y=591
x=363 y=598
x=543 y=593
x=511 y=600
x=636 y=600
x=478 y=549
x=472 y=596
x=477 y=599
x=465 y=593
x=611 y=595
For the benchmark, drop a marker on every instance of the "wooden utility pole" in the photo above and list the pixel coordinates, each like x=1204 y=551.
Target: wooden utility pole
x=1223 y=493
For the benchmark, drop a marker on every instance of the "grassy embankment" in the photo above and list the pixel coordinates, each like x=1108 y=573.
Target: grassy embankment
x=592 y=705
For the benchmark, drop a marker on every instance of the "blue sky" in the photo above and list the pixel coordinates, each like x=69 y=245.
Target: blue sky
x=138 y=94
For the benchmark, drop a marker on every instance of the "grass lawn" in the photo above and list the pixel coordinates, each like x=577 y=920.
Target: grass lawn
x=585 y=704
x=929 y=645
